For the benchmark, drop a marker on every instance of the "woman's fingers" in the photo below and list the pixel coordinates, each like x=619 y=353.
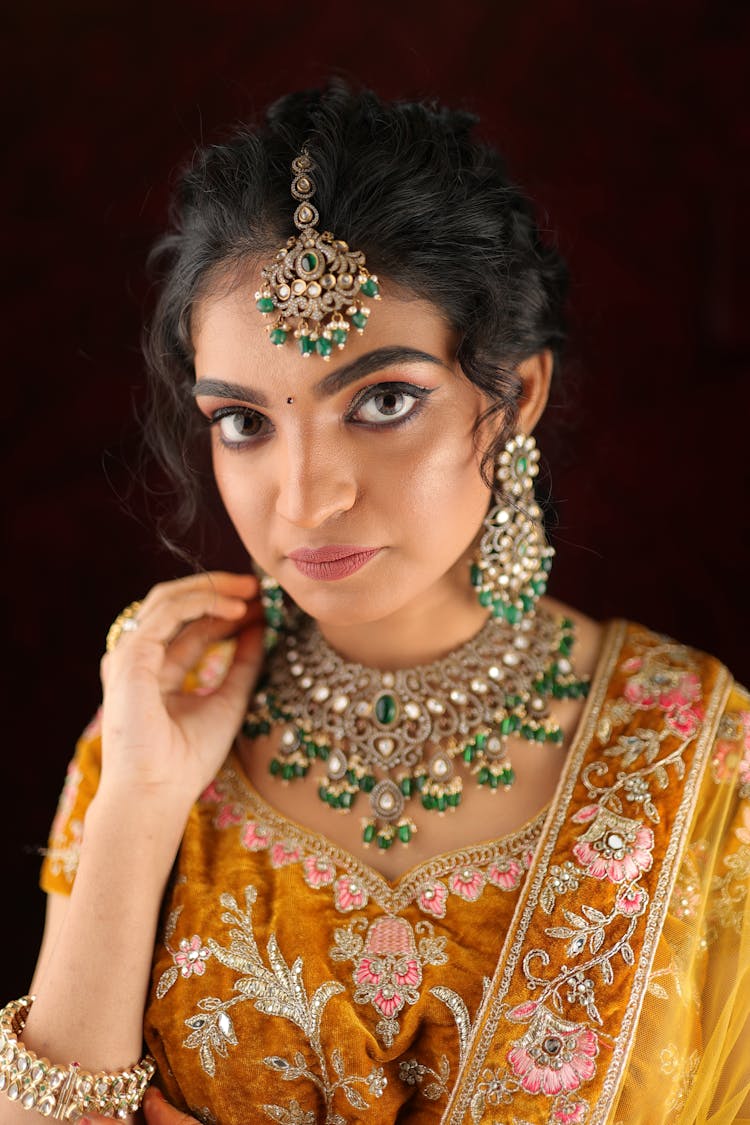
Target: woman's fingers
x=160 y=1112
x=157 y=1111
x=189 y=646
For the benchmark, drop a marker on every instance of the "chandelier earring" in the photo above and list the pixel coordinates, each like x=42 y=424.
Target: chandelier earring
x=278 y=614
x=514 y=558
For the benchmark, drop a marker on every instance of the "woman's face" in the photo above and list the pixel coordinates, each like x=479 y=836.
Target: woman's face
x=355 y=482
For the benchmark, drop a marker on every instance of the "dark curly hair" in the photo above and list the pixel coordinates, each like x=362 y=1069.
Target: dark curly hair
x=432 y=208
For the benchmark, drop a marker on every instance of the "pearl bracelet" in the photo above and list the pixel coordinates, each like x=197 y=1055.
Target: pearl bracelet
x=64 y=1092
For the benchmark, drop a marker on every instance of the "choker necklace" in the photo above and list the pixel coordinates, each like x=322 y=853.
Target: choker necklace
x=397 y=736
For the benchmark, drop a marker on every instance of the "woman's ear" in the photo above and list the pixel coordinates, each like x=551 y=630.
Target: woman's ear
x=535 y=374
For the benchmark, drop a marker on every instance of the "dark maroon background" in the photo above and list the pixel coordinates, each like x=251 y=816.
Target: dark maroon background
x=628 y=122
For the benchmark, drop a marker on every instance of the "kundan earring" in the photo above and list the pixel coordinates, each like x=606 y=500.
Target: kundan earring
x=275 y=608
x=510 y=572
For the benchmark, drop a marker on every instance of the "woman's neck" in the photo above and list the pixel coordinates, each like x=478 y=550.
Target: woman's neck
x=440 y=621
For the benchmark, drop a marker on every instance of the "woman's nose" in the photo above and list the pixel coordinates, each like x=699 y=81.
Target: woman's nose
x=316 y=482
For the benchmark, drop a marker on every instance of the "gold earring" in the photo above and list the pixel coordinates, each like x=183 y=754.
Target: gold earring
x=510 y=572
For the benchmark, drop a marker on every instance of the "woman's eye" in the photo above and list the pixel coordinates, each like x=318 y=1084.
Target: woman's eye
x=389 y=404
x=236 y=427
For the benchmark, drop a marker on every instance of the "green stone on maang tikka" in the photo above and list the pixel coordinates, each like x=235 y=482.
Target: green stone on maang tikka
x=306 y=345
x=338 y=335
x=278 y=336
x=359 y=319
x=265 y=304
x=370 y=288
x=323 y=346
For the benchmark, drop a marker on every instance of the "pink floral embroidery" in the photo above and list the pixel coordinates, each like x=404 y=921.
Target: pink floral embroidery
x=255 y=837
x=213 y=667
x=432 y=898
x=554 y=1056
x=349 y=894
x=631 y=901
x=613 y=847
x=570 y=1113
x=684 y=721
x=468 y=883
x=389 y=972
x=318 y=872
x=506 y=873
x=229 y=815
x=211 y=795
x=191 y=957
x=686 y=691
x=283 y=853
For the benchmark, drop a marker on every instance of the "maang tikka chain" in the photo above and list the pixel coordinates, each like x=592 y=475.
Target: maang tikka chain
x=514 y=560
x=316 y=282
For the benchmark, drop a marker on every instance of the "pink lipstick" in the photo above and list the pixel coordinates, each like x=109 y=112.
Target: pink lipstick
x=329 y=563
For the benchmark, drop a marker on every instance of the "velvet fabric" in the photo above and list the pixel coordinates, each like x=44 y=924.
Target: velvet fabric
x=591 y=967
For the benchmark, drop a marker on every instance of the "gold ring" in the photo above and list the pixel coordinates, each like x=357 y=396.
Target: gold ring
x=125 y=622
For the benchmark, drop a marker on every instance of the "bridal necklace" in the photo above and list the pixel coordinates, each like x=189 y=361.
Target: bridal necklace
x=411 y=734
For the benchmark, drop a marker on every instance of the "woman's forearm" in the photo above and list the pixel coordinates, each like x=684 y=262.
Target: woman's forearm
x=92 y=989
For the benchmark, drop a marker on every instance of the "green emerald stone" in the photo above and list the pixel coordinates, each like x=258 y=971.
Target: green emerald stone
x=306 y=345
x=385 y=709
x=485 y=597
x=309 y=261
x=546 y=565
x=522 y=465
x=539 y=586
x=483 y=776
x=323 y=346
x=275 y=766
x=369 y=833
x=367 y=783
x=441 y=804
x=454 y=800
x=469 y=753
x=507 y=726
x=346 y=800
x=338 y=335
x=512 y=614
x=475 y=575
x=527 y=603
x=384 y=842
x=541 y=735
x=480 y=741
x=359 y=319
x=507 y=777
x=407 y=786
x=493 y=780
x=404 y=833
x=265 y=304
x=278 y=336
x=287 y=772
x=370 y=288
x=428 y=802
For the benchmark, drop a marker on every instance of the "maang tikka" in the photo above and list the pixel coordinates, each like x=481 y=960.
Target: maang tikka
x=316 y=282
x=514 y=559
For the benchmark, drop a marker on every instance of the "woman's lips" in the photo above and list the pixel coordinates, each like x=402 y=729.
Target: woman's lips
x=330 y=563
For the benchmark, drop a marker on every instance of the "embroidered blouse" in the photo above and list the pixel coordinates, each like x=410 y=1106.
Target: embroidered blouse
x=592 y=967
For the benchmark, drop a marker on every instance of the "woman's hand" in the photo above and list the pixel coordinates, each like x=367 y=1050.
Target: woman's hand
x=155 y=1109
x=156 y=738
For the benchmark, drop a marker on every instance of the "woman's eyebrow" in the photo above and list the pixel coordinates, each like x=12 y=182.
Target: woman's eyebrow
x=330 y=384
x=367 y=364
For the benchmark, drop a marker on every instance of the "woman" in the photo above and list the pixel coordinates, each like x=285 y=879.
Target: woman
x=367 y=358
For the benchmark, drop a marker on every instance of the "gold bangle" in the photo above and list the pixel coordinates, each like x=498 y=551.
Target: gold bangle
x=64 y=1092
x=124 y=622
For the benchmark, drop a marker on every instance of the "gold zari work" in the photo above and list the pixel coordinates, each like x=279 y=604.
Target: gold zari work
x=292 y=983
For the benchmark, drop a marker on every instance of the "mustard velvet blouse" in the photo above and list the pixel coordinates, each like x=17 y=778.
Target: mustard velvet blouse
x=294 y=984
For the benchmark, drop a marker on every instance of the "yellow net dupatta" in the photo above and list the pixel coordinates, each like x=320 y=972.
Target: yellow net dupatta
x=553 y=1039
